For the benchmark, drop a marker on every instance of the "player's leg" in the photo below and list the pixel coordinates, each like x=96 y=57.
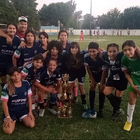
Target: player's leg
x=75 y=91
x=28 y=121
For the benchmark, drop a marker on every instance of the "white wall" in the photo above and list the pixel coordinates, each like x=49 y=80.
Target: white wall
x=107 y=31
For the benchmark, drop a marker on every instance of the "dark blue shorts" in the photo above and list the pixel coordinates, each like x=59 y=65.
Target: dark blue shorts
x=17 y=115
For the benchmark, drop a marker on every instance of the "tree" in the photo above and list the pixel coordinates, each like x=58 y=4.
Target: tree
x=28 y=8
x=8 y=12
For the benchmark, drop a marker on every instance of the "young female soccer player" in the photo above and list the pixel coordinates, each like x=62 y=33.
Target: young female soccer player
x=30 y=73
x=82 y=36
x=63 y=36
x=116 y=79
x=131 y=67
x=49 y=81
x=23 y=56
x=95 y=67
x=74 y=61
x=16 y=102
x=7 y=51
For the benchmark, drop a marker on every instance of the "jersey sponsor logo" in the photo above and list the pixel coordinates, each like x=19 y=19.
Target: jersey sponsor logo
x=35 y=51
x=3 y=93
x=14 y=47
x=4 y=46
x=26 y=54
x=14 y=95
x=25 y=93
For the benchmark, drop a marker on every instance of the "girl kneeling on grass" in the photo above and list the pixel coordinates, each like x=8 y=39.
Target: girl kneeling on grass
x=131 y=66
x=16 y=94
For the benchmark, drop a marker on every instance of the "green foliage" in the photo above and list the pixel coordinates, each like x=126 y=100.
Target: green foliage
x=8 y=12
x=28 y=8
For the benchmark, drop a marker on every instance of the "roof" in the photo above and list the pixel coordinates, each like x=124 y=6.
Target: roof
x=49 y=27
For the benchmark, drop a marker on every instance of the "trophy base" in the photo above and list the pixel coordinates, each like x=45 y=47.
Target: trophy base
x=65 y=117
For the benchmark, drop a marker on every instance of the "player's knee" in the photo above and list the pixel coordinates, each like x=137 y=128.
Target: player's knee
x=8 y=130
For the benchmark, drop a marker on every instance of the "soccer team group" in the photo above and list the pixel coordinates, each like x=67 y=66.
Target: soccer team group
x=36 y=67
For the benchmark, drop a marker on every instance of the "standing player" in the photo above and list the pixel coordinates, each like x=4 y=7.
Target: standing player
x=116 y=79
x=23 y=56
x=16 y=102
x=131 y=67
x=95 y=67
x=30 y=73
x=7 y=51
x=63 y=36
x=49 y=81
x=81 y=36
x=74 y=61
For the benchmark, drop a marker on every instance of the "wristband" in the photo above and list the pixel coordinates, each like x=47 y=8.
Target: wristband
x=8 y=117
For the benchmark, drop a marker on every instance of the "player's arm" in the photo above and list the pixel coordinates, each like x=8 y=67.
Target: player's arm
x=8 y=38
x=5 y=108
x=138 y=51
x=24 y=73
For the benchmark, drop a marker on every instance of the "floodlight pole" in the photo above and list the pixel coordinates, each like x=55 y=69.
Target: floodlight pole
x=90 y=17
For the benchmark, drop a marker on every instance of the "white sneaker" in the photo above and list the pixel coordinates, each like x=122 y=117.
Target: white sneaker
x=41 y=112
x=52 y=111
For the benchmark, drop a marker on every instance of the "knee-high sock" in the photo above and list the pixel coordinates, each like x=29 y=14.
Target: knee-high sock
x=101 y=100
x=119 y=100
x=130 y=110
x=83 y=97
x=113 y=101
x=91 y=98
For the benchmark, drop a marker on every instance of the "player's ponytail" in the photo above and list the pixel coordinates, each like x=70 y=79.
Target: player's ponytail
x=10 y=83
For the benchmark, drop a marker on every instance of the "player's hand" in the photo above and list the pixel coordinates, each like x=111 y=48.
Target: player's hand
x=101 y=87
x=23 y=44
x=30 y=114
x=92 y=84
x=9 y=40
x=136 y=89
x=50 y=89
x=7 y=122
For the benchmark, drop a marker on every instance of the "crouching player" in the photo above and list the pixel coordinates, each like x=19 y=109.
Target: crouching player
x=49 y=81
x=131 y=66
x=16 y=94
x=30 y=72
x=94 y=66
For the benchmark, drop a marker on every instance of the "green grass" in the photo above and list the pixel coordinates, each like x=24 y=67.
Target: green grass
x=50 y=127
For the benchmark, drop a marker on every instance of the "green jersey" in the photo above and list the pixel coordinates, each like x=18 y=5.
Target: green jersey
x=133 y=66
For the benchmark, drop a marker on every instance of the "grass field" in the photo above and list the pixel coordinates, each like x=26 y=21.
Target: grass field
x=50 y=127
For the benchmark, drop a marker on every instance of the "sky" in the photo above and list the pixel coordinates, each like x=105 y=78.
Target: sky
x=98 y=6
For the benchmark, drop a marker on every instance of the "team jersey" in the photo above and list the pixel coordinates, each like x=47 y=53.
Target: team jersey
x=26 y=54
x=29 y=73
x=114 y=66
x=44 y=78
x=40 y=48
x=95 y=66
x=67 y=47
x=133 y=67
x=7 y=51
x=18 y=101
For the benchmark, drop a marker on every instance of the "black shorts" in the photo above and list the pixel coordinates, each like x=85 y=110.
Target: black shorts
x=17 y=115
x=118 y=84
x=4 y=71
x=79 y=74
x=97 y=77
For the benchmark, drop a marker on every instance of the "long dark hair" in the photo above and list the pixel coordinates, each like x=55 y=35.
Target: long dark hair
x=10 y=83
x=32 y=32
x=44 y=34
x=77 y=56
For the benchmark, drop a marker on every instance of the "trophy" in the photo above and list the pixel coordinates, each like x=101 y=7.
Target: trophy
x=65 y=110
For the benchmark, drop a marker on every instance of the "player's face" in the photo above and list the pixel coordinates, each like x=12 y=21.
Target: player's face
x=129 y=51
x=112 y=53
x=16 y=77
x=11 y=30
x=54 y=51
x=63 y=37
x=74 y=50
x=30 y=38
x=22 y=26
x=52 y=65
x=93 y=53
x=38 y=63
x=43 y=39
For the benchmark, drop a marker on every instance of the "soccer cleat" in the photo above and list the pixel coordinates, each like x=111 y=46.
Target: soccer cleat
x=127 y=126
x=52 y=111
x=41 y=112
x=117 y=115
x=100 y=114
x=34 y=113
x=75 y=100
x=85 y=107
x=89 y=114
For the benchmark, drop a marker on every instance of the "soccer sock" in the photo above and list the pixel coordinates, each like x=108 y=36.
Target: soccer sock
x=51 y=105
x=75 y=91
x=101 y=100
x=119 y=100
x=91 y=99
x=41 y=104
x=113 y=101
x=2 y=85
x=83 y=97
x=130 y=110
